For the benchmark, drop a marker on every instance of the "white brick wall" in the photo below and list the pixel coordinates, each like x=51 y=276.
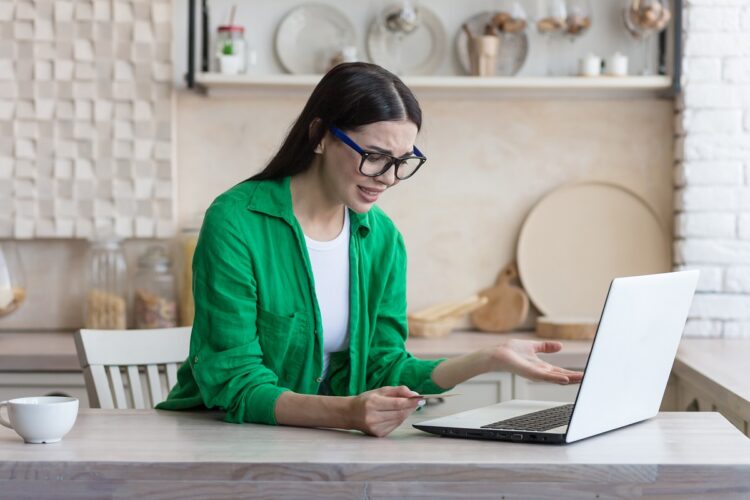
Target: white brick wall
x=712 y=175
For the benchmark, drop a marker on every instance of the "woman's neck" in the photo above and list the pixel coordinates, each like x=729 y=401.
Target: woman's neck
x=320 y=216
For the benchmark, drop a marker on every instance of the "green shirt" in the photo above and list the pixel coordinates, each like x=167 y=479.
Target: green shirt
x=257 y=330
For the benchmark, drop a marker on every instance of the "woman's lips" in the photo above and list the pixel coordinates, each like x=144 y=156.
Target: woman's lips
x=370 y=195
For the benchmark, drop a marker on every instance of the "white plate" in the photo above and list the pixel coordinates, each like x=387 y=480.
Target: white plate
x=422 y=51
x=309 y=36
x=579 y=237
x=514 y=48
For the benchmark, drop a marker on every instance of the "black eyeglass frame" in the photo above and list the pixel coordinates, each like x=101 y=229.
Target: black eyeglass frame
x=392 y=162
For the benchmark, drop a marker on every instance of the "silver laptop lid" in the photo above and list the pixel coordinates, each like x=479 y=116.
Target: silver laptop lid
x=633 y=352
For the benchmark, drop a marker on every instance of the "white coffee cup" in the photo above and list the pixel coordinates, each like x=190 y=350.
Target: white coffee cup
x=40 y=419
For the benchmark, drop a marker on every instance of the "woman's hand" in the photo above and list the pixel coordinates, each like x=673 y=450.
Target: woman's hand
x=379 y=411
x=520 y=357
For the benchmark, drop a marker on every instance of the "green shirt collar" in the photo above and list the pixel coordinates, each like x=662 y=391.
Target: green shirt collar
x=273 y=197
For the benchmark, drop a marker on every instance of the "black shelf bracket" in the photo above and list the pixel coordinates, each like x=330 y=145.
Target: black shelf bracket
x=190 y=75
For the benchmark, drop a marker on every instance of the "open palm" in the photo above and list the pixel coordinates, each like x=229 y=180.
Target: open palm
x=521 y=357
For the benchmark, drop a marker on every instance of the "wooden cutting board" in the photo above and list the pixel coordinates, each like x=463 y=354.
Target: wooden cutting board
x=581 y=236
x=507 y=305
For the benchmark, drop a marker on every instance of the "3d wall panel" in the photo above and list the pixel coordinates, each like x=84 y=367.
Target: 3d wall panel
x=86 y=115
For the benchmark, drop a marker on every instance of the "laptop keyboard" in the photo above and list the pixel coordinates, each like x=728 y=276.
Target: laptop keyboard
x=543 y=420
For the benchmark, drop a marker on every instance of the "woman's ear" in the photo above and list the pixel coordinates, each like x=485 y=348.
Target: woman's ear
x=315 y=132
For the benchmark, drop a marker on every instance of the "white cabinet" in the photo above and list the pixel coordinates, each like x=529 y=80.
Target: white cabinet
x=543 y=391
x=491 y=388
x=18 y=384
x=482 y=390
x=693 y=397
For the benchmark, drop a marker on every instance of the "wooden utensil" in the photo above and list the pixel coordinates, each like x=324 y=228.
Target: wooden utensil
x=507 y=306
x=569 y=328
x=440 y=319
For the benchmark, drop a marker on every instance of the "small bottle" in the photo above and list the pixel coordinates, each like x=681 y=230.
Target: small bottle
x=105 y=305
x=154 y=291
x=231 y=50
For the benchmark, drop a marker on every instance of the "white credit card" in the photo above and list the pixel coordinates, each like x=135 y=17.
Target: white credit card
x=434 y=396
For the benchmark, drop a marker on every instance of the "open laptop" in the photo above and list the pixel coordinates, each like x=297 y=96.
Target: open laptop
x=624 y=379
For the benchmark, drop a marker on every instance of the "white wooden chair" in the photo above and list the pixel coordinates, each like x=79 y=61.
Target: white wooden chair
x=107 y=355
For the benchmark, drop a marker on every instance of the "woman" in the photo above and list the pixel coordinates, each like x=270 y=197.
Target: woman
x=300 y=280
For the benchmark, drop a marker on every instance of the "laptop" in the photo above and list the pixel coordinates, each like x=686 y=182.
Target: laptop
x=625 y=376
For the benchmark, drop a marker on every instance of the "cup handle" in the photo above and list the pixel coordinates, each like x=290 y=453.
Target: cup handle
x=2 y=420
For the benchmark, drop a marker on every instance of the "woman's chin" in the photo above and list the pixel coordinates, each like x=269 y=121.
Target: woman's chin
x=360 y=207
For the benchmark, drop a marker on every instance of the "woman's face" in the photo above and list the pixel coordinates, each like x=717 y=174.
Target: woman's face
x=341 y=162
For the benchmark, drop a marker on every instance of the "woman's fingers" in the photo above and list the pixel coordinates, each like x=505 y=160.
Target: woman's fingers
x=570 y=373
x=548 y=346
x=391 y=403
x=574 y=377
x=387 y=421
x=554 y=377
x=398 y=391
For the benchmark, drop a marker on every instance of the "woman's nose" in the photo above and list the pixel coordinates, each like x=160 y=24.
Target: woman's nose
x=388 y=177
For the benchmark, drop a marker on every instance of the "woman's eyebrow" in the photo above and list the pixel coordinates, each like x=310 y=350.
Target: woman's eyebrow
x=386 y=151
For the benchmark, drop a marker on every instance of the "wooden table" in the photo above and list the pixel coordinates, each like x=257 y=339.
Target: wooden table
x=171 y=454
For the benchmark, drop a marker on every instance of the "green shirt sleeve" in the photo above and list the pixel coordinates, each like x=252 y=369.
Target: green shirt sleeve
x=226 y=357
x=388 y=362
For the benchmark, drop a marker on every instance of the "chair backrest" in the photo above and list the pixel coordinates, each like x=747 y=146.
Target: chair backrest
x=118 y=363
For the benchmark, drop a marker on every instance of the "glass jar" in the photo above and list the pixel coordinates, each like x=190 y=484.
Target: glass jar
x=188 y=242
x=154 y=291
x=12 y=283
x=105 y=305
x=232 y=50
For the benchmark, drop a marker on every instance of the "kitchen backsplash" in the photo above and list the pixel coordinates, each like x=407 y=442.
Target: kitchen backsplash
x=489 y=162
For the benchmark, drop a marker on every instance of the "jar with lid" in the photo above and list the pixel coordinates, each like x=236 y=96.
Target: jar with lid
x=105 y=304
x=154 y=291
x=233 y=55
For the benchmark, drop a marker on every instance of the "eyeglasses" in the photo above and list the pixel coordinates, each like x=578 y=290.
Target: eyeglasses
x=374 y=163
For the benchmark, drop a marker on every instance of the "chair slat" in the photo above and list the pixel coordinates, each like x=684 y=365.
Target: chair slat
x=117 y=387
x=171 y=375
x=154 y=384
x=100 y=396
x=134 y=378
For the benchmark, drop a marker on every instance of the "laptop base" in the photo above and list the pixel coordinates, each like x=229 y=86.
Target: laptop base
x=494 y=434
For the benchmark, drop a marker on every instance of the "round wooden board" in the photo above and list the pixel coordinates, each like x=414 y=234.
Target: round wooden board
x=580 y=237
x=569 y=328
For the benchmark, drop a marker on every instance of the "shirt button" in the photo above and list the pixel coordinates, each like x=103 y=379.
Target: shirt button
x=195 y=359
x=319 y=379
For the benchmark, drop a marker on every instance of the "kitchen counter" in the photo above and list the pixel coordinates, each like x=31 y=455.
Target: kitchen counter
x=55 y=351
x=38 y=352
x=717 y=369
x=151 y=453
x=573 y=354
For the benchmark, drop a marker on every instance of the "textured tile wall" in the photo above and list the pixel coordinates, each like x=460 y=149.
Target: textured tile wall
x=86 y=111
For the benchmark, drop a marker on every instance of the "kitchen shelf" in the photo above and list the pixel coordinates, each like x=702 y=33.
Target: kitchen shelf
x=217 y=85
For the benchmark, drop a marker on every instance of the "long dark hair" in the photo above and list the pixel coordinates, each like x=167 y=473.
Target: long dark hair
x=349 y=96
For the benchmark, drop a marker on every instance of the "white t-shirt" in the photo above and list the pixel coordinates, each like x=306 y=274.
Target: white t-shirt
x=330 y=266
